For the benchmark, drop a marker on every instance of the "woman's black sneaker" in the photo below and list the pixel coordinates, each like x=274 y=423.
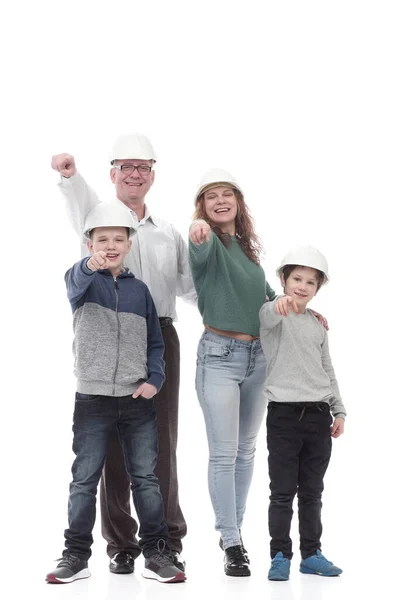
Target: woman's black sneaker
x=220 y=543
x=236 y=563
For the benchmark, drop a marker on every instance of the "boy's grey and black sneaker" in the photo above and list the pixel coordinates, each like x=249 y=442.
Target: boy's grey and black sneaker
x=70 y=568
x=121 y=563
x=160 y=566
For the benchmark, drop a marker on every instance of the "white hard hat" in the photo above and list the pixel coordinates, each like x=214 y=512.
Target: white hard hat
x=132 y=145
x=305 y=256
x=217 y=177
x=108 y=214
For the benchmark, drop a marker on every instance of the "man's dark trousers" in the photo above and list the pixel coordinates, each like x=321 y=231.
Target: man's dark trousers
x=119 y=528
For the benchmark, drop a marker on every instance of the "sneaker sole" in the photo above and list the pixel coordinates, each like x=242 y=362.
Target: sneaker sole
x=307 y=571
x=84 y=574
x=178 y=578
x=278 y=578
x=237 y=574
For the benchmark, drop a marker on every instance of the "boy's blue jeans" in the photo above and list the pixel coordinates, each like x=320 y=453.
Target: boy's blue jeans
x=95 y=419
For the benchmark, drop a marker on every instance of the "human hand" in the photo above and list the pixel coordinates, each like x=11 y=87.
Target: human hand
x=321 y=319
x=64 y=164
x=337 y=428
x=98 y=261
x=146 y=390
x=284 y=305
x=200 y=232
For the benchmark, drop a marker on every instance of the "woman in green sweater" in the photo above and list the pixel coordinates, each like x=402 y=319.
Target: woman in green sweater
x=231 y=287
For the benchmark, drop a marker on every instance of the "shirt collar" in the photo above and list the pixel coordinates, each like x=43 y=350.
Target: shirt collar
x=147 y=215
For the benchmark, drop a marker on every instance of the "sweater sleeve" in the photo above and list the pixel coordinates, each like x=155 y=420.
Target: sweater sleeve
x=270 y=292
x=336 y=403
x=268 y=316
x=155 y=346
x=184 y=281
x=200 y=254
x=78 y=279
x=80 y=199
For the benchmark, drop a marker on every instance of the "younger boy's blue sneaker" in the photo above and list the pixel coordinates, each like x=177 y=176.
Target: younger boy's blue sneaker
x=279 y=568
x=319 y=565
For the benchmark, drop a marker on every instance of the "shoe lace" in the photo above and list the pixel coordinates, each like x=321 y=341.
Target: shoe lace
x=277 y=562
x=324 y=560
x=237 y=552
x=164 y=556
x=68 y=561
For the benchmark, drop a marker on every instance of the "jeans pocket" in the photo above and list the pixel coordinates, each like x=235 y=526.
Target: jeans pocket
x=216 y=352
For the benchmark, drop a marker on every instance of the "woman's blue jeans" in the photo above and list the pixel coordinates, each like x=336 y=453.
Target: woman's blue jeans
x=229 y=382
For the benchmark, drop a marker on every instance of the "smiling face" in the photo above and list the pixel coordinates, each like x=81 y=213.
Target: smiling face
x=114 y=241
x=301 y=284
x=221 y=207
x=131 y=188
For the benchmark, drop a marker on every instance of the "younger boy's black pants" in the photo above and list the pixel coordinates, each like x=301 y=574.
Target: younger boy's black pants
x=299 y=444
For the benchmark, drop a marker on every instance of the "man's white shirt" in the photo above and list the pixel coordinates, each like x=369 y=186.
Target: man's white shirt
x=158 y=256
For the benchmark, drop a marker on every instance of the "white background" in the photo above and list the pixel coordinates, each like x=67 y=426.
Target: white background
x=302 y=102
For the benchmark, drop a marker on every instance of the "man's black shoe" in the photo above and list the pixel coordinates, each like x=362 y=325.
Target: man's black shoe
x=235 y=562
x=121 y=563
x=178 y=561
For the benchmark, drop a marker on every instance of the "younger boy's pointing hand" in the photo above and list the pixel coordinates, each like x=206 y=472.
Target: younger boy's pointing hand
x=284 y=305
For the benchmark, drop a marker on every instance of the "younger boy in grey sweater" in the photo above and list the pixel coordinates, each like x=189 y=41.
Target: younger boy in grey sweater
x=303 y=395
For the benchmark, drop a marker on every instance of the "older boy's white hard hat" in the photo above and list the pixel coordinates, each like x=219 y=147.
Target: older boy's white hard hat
x=217 y=177
x=132 y=145
x=305 y=256
x=108 y=214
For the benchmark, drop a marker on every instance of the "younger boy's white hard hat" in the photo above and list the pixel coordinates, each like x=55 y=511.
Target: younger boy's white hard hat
x=305 y=256
x=216 y=177
x=108 y=214
x=132 y=146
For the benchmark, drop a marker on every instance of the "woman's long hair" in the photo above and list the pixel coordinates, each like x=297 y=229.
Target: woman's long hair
x=244 y=227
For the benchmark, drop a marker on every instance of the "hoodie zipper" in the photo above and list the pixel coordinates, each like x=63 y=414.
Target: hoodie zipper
x=118 y=340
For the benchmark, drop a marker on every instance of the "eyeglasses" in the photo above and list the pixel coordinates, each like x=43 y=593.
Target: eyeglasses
x=129 y=169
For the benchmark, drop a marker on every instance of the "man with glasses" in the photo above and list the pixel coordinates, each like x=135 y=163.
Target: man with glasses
x=159 y=258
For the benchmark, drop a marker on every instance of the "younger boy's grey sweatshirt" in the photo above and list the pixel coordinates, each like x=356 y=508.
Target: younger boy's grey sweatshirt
x=299 y=367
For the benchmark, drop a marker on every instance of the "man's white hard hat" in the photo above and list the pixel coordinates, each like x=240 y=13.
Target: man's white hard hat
x=305 y=256
x=216 y=177
x=108 y=214
x=132 y=146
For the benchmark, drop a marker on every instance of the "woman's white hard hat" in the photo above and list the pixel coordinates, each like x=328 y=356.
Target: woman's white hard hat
x=305 y=256
x=109 y=214
x=216 y=177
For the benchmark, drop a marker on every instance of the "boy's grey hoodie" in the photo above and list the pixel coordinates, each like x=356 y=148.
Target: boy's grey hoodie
x=118 y=342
